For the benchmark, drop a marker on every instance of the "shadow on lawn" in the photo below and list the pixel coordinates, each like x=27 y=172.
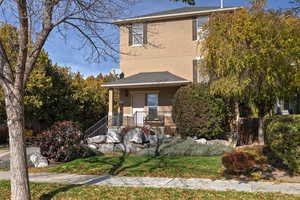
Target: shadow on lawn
x=52 y=194
x=116 y=169
x=119 y=165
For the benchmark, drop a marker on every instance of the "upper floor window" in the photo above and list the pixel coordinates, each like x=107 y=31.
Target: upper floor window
x=198 y=31
x=138 y=34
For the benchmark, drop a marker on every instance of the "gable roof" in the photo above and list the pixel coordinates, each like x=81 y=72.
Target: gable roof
x=174 y=13
x=146 y=79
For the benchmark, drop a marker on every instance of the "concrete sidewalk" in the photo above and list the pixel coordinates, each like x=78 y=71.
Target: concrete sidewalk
x=192 y=183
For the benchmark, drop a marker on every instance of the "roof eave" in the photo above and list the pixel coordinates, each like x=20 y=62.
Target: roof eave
x=151 y=84
x=171 y=16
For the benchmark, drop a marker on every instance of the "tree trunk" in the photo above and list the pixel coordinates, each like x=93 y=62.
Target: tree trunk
x=14 y=100
x=261 y=121
x=235 y=130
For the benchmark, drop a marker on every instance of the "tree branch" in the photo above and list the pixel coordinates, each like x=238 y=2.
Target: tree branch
x=23 y=43
x=42 y=36
x=84 y=34
x=6 y=75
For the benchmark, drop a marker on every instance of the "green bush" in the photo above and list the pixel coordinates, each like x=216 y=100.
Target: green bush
x=282 y=136
x=180 y=147
x=197 y=113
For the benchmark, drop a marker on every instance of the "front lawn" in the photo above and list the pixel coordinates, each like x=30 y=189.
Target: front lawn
x=181 y=167
x=43 y=191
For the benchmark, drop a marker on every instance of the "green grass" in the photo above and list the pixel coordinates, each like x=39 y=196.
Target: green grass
x=184 y=167
x=42 y=191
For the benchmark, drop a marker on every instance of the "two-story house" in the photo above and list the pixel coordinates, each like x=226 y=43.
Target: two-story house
x=159 y=54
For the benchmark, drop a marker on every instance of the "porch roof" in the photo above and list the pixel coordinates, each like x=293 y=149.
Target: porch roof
x=148 y=79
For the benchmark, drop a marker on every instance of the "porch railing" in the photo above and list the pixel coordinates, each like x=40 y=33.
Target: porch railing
x=141 y=118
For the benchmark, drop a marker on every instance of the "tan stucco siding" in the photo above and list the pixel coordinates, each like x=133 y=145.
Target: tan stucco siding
x=170 y=48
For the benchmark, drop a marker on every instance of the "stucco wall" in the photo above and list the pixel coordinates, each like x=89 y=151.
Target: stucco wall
x=170 y=48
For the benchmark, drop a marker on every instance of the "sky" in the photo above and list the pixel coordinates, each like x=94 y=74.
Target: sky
x=67 y=53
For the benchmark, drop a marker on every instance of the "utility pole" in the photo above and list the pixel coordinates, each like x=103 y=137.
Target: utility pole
x=222 y=3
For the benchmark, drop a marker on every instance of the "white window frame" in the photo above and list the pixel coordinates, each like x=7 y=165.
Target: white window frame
x=199 y=27
x=147 y=103
x=135 y=32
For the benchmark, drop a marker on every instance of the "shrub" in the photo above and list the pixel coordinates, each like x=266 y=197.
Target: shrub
x=238 y=162
x=3 y=135
x=180 y=147
x=197 y=113
x=282 y=136
x=63 y=143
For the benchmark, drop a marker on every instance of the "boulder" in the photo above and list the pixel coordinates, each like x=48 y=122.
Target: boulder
x=99 y=139
x=218 y=142
x=38 y=160
x=158 y=139
x=129 y=147
x=136 y=136
x=113 y=137
x=93 y=146
x=106 y=148
x=201 y=141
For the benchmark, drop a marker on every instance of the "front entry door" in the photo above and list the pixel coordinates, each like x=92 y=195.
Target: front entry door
x=138 y=104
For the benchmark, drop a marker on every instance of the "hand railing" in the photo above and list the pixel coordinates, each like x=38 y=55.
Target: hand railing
x=95 y=129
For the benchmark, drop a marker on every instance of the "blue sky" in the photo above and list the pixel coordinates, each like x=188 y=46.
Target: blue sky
x=65 y=53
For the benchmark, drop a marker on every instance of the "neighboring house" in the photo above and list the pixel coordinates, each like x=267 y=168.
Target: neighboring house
x=159 y=54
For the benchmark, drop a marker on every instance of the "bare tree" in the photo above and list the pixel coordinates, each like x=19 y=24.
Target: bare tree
x=295 y=6
x=35 y=20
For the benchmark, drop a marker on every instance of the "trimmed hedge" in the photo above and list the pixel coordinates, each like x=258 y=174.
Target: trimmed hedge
x=197 y=113
x=181 y=147
x=282 y=137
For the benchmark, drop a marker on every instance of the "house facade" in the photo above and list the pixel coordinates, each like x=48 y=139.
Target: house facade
x=159 y=54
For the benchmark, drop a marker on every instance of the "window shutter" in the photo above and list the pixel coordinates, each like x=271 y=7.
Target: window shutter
x=194 y=29
x=145 y=31
x=130 y=35
x=195 y=71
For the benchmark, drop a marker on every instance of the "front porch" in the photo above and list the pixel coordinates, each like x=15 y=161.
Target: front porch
x=145 y=99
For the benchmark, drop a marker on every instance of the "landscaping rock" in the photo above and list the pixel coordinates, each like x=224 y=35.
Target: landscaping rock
x=218 y=142
x=136 y=136
x=93 y=146
x=97 y=139
x=105 y=148
x=38 y=160
x=129 y=147
x=113 y=137
x=158 y=139
x=201 y=141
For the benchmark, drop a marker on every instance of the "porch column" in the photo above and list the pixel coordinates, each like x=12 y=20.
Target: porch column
x=110 y=107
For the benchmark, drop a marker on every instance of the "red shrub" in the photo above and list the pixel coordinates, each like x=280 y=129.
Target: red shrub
x=238 y=162
x=63 y=142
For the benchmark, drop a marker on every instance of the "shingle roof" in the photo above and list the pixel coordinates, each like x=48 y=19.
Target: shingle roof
x=179 y=11
x=189 y=11
x=148 y=78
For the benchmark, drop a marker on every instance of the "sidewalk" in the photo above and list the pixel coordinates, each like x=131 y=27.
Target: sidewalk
x=192 y=183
